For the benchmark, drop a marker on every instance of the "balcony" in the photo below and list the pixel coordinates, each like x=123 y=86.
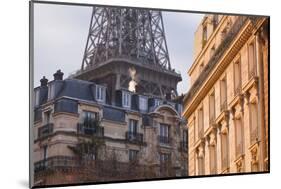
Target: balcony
x=134 y=137
x=90 y=130
x=183 y=146
x=164 y=140
x=56 y=162
x=45 y=130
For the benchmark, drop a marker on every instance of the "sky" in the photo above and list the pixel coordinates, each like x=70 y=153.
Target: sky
x=60 y=35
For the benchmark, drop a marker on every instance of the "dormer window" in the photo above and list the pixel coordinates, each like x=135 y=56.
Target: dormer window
x=36 y=97
x=142 y=103
x=51 y=91
x=100 y=93
x=157 y=102
x=126 y=99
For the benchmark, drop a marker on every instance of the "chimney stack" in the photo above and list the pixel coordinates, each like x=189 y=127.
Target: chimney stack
x=58 y=75
x=44 y=81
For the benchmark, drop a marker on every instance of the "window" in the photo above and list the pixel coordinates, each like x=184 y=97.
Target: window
x=51 y=91
x=45 y=152
x=133 y=126
x=164 y=134
x=143 y=103
x=47 y=117
x=133 y=155
x=36 y=97
x=223 y=94
x=184 y=140
x=200 y=160
x=157 y=102
x=212 y=51
x=212 y=107
x=212 y=151
x=237 y=77
x=254 y=122
x=201 y=67
x=179 y=109
x=165 y=158
x=204 y=37
x=126 y=99
x=239 y=136
x=200 y=123
x=252 y=60
x=88 y=118
x=100 y=93
x=224 y=148
x=215 y=21
x=223 y=34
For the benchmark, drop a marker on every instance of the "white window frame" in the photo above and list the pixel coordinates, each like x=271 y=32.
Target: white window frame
x=143 y=103
x=158 y=102
x=51 y=91
x=100 y=93
x=126 y=99
x=36 y=97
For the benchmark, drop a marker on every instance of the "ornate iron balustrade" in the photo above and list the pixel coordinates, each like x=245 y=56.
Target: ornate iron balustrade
x=164 y=139
x=45 y=130
x=134 y=137
x=87 y=130
x=56 y=162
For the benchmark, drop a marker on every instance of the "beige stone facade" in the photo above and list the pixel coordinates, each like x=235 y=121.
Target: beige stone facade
x=227 y=105
x=55 y=142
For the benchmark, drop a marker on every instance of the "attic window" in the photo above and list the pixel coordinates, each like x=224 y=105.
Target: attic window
x=126 y=99
x=143 y=103
x=36 y=97
x=100 y=93
x=51 y=91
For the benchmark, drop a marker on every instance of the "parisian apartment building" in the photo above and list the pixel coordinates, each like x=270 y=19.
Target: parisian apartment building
x=121 y=107
x=226 y=107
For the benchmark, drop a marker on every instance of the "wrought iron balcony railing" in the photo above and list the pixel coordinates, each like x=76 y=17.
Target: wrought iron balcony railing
x=45 y=130
x=134 y=137
x=87 y=130
x=56 y=162
x=164 y=139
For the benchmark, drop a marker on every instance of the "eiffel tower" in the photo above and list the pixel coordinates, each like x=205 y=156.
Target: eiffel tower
x=122 y=39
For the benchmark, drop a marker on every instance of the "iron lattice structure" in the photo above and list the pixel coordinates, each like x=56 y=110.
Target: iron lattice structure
x=137 y=34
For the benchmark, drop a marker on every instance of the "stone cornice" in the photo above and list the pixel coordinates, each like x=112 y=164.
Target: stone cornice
x=215 y=67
